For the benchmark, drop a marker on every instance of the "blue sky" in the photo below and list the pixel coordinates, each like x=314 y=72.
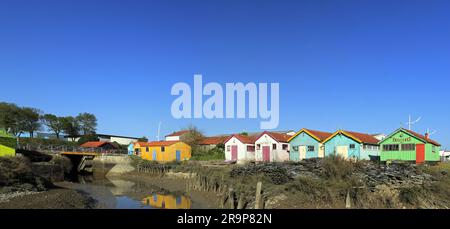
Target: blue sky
x=358 y=65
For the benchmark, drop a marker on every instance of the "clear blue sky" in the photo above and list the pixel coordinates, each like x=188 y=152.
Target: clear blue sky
x=357 y=65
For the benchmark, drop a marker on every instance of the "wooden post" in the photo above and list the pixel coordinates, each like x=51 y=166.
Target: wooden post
x=258 y=199
x=241 y=201
x=231 y=198
x=348 y=203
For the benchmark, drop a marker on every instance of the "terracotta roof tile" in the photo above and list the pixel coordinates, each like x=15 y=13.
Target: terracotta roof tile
x=95 y=144
x=244 y=139
x=214 y=140
x=178 y=133
x=365 y=138
x=422 y=137
x=319 y=134
x=279 y=137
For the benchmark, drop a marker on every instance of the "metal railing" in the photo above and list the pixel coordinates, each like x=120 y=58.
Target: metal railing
x=64 y=148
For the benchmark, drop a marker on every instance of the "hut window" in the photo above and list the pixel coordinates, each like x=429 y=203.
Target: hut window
x=163 y=149
x=251 y=148
x=258 y=147
x=228 y=148
x=274 y=146
x=285 y=146
x=146 y=149
x=434 y=149
x=391 y=147
x=408 y=147
x=352 y=146
x=295 y=148
x=311 y=148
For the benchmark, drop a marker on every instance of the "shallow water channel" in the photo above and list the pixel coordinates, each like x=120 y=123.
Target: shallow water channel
x=112 y=193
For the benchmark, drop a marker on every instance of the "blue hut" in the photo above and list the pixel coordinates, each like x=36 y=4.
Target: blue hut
x=352 y=145
x=307 y=144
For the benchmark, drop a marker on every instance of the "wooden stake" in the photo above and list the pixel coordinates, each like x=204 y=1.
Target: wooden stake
x=258 y=199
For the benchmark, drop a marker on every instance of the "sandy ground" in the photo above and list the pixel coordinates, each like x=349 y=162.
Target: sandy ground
x=58 y=198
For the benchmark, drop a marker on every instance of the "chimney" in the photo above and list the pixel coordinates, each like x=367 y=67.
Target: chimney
x=427 y=136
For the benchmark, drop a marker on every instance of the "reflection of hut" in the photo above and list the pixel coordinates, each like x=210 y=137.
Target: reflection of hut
x=167 y=201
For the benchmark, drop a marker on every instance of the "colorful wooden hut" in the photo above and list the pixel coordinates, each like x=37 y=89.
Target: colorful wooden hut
x=352 y=145
x=164 y=151
x=307 y=144
x=407 y=145
x=240 y=148
x=272 y=147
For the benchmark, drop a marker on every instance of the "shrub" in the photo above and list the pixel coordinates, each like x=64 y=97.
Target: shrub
x=336 y=167
x=212 y=154
x=9 y=142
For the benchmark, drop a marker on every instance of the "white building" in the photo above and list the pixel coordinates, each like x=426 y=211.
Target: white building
x=176 y=136
x=240 y=148
x=272 y=147
x=122 y=140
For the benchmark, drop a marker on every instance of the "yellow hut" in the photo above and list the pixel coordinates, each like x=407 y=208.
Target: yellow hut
x=164 y=151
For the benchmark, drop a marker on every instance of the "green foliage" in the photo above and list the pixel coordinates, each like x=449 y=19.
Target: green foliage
x=41 y=141
x=31 y=120
x=209 y=155
x=88 y=138
x=336 y=167
x=53 y=123
x=70 y=126
x=87 y=122
x=9 y=142
x=193 y=137
x=244 y=134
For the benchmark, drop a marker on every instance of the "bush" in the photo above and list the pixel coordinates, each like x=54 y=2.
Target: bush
x=46 y=142
x=88 y=138
x=9 y=142
x=336 y=167
x=209 y=155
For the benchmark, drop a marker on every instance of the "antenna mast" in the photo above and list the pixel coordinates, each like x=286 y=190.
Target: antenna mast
x=159 y=130
x=410 y=123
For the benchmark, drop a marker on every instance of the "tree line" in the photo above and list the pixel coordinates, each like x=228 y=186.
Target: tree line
x=18 y=120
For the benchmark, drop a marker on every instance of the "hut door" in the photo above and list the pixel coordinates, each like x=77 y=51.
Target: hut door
x=420 y=153
x=342 y=151
x=178 y=155
x=234 y=153
x=302 y=150
x=154 y=155
x=266 y=153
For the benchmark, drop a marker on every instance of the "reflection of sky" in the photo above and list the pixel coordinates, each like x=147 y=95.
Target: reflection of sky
x=124 y=202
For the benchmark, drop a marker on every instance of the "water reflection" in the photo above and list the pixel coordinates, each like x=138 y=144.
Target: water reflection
x=167 y=202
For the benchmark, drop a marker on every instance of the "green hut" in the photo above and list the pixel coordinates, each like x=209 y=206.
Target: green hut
x=407 y=145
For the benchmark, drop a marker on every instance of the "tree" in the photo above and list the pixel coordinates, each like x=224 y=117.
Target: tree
x=11 y=118
x=31 y=120
x=244 y=134
x=88 y=123
x=193 y=137
x=70 y=126
x=53 y=124
x=143 y=139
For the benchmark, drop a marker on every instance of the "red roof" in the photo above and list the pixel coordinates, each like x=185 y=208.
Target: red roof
x=214 y=140
x=279 y=137
x=242 y=138
x=95 y=144
x=423 y=138
x=319 y=134
x=178 y=133
x=365 y=138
